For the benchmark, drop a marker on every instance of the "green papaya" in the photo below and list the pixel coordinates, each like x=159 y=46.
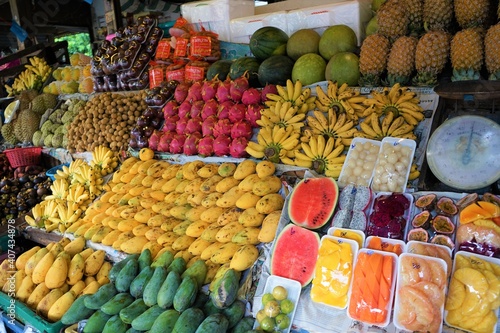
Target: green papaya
x=244 y=325
x=189 y=321
x=145 y=321
x=225 y=290
x=77 y=311
x=132 y=330
x=100 y=297
x=140 y=281
x=210 y=308
x=133 y=311
x=96 y=322
x=201 y=299
x=235 y=312
x=145 y=259
x=167 y=290
x=198 y=270
x=117 y=267
x=116 y=303
x=186 y=294
x=150 y=294
x=165 y=259
x=115 y=325
x=165 y=322
x=178 y=265
x=126 y=276
x=215 y=323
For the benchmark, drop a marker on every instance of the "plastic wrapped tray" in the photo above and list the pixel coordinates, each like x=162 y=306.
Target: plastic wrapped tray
x=360 y=162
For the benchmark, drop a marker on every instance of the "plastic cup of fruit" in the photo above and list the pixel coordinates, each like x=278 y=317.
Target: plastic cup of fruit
x=360 y=162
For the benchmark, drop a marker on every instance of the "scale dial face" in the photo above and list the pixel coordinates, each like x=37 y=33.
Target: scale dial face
x=464 y=152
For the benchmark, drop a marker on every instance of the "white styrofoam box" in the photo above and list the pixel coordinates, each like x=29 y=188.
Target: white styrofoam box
x=215 y=15
x=242 y=28
x=355 y=14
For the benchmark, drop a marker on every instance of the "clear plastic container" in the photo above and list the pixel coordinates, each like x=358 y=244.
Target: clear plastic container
x=360 y=162
x=372 y=287
x=352 y=234
x=482 y=291
x=420 y=293
x=395 y=246
x=432 y=250
x=393 y=165
x=333 y=272
x=390 y=226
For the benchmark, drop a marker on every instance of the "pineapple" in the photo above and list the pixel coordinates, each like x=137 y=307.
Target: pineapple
x=466 y=50
x=471 y=13
x=415 y=12
x=492 y=51
x=373 y=59
x=430 y=57
x=393 y=19
x=437 y=14
x=401 y=61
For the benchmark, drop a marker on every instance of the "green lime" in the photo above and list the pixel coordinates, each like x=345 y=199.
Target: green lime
x=261 y=314
x=287 y=306
x=268 y=324
x=266 y=298
x=272 y=309
x=282 y=321
x=280 y=293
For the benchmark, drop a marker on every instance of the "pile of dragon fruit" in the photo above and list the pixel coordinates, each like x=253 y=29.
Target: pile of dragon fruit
x=389 y=215
x=210 y=118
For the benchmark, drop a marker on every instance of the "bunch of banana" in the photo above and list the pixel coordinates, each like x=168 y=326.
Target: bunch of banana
x=77 y=196
x=372 y=128
x=37 y=72
x=67 y=172
x=39 y=67
x=342 y=100
x=414 y=172
x=336 y=126
x=283 y=114
x=321 y=156
x=293 y=93
x=398 y=100
x=273 y=143
x=59 y=190
x=41 y=212
x=103 y=160
x=90 y=178
x=66 y=215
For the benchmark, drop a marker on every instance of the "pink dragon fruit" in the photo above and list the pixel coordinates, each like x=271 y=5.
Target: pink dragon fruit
x=207 y=127
x=223 y=94
x=205 y=146
x=193 y=125
x=253 y=114
x=268 y=89
x=170 y=108
x=237 y=147
x=194 y=92
x=223 y=127
x=181 y=92
x=154 y=139
x=237 y=112
x=209 y=109
x=196 y=108
x=191 y=144
x=241 y=129
x=166 y=138
x=170 y=123
x=209 y=89
x=223 y=110
x=238 y=87
x=221 y=145
x=177 y=144
x=251 y=96
x=184 y=109
x=180 y=127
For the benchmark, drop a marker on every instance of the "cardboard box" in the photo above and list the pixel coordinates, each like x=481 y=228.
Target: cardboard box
x=215 y=15
x=242 y=28
x=291 y=5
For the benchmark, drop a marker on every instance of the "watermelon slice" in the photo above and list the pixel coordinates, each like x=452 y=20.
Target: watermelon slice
x=313 y=201
x=295 y=253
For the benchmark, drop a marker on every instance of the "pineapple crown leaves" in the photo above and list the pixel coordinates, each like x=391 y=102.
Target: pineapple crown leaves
x=465 y=75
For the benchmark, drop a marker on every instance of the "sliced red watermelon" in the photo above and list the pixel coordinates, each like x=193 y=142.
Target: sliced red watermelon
x=313 y=201
x=295 y=253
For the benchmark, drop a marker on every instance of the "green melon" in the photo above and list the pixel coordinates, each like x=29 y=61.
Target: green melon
x=313 y=201
x=220 y=68
x=301 y=42
x=309 y=69
x=337 y=38
x=275 y=70
x=372 y=26
x=268 y=41
x=295 y=253
x=343 y=67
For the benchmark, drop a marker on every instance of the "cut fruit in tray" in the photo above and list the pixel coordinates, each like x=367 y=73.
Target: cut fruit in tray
x=395 y=246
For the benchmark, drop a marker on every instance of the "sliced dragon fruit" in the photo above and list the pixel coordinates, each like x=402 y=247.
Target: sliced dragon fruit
x=362 y=198
x=346 y=198
x=358 y=220
x=342 y=218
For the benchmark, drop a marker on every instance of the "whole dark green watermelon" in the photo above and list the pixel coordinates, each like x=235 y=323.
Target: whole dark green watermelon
x=248 y=66
x=276 y=70
x=268 y=41
x=220 y=68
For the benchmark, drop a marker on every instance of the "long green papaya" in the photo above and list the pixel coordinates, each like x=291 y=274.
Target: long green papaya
x=165 y=322
x=140 y=281
x=100 y=297
x=77 y=311
x=116 y=303
x=186 y=294
x=133 y=311
x=145 y=321
x=150 y=294
x=127 y=275
x=189 y=321
x=215 y=323
x=168 y=289
x=96 y=322
x=115 y=325
x=113 y=272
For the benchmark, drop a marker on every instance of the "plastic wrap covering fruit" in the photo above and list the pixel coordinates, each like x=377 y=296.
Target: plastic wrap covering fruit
x=389 y=215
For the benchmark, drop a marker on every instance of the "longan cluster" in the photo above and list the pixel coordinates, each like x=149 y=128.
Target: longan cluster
x=107 y=119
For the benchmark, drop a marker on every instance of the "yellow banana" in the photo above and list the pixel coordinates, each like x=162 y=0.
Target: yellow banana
x=386 y=122
x=297 y=90
x=289 y=89
x=336 y=152
x=330 y=144
x=320 y=139
x=409 y=118
x=368 y=130
x=254 y=153
x=376 y=125
x=282 y=92
x=395 y=124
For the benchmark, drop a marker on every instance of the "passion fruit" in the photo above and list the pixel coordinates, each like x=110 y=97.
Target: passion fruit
x=426 y=202
x=467 y=200
x=446 y=206
x=441 y=239
x=418 y=234
x=422 y=220
x=442 y=224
